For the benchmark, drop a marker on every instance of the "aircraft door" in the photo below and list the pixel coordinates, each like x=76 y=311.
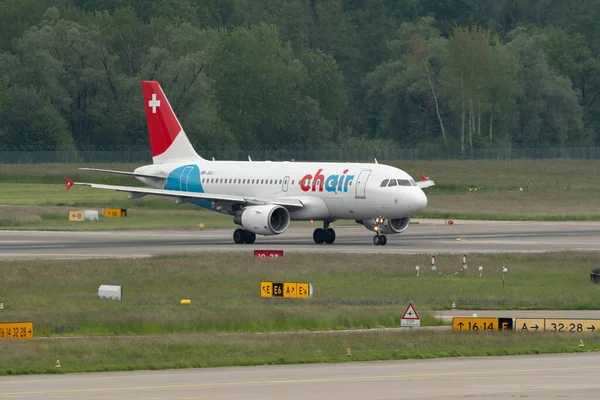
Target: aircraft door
x=183 y=181
x=361 y=184
x=285 y=183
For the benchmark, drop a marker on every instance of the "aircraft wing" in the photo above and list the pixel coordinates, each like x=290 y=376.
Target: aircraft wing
x=186 y=197
x=111 y=171
x=425 y=182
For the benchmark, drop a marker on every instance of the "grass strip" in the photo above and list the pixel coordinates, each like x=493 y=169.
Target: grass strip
x=350 y=291
x=212 y=350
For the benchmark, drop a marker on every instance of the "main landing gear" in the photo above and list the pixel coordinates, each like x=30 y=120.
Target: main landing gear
x=325 y=234
x=241 y=236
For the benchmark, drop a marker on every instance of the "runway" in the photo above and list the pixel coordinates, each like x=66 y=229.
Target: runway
x=572 y=376
x=427 y=236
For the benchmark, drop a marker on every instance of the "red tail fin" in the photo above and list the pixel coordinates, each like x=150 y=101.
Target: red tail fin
x=168 y=140
x=69 y=182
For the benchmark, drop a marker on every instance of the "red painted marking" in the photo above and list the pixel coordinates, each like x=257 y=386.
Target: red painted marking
x=424 y=178
x=163 y=126
x=268 y=253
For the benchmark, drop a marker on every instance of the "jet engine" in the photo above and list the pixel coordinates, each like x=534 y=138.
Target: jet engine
x=268 y=219
x=388 y=226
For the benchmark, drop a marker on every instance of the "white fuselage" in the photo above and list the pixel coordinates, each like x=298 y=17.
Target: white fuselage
x=328 y=191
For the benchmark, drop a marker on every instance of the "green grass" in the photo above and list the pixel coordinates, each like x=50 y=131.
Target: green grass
x=212 y=350
x=350 y=291
x=149 y=329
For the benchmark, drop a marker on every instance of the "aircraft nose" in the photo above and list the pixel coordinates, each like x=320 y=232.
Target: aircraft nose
x=419 y=200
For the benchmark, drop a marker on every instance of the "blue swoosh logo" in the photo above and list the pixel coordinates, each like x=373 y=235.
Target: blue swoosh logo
x=187 y=179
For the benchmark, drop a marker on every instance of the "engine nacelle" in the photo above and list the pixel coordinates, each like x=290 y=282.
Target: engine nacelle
x=268 y=219
x=389 y=226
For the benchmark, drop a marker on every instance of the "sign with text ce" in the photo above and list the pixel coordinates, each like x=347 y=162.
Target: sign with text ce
x=16 y=330
x=481 y=324
x=286 y=289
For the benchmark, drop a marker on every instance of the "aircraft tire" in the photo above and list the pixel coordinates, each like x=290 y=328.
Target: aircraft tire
x=330 y=238
x=239 y=235
x=319 y=236
x=376 y=240
x=383 y=240
x=250 y=237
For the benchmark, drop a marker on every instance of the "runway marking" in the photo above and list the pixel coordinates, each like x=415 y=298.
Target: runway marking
x=310 y=380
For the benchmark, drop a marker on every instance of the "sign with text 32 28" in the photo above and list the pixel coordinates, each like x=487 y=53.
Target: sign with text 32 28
x=16 y=330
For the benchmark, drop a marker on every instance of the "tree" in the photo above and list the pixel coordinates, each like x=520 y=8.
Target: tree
x=548 y=113
x=480 y=80
x=409 y=81
x=31 y=119
x=256 y=81
x=325 y=83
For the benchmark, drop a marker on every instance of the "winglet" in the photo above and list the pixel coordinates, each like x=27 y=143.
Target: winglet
x=69 y=182
x=424 y=178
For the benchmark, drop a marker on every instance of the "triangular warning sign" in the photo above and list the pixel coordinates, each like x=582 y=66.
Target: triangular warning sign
x=410 y=313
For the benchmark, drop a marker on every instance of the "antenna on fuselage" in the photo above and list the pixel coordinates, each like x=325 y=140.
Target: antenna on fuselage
x=375 y=160
x=249 y=159
x=213 y=159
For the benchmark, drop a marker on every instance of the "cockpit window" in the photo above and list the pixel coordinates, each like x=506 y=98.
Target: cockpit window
x=392 y=183
x=403 y=182
x=412 y=182
x=384 y=183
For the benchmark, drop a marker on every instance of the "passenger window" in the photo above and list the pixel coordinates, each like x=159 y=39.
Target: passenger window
x=385 y=182
x=280 y=181
x=392 y=183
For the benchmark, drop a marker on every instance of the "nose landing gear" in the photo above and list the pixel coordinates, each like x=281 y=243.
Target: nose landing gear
x=379 y=239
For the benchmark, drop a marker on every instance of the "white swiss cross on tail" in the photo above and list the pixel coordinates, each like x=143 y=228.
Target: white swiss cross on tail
x=154 y=103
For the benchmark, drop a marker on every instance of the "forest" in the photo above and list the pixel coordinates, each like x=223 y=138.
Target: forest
x=454 y=75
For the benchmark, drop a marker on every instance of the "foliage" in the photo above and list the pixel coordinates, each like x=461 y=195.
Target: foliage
x=456 y=75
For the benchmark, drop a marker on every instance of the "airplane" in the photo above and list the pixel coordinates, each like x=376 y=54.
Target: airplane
x=264 y=196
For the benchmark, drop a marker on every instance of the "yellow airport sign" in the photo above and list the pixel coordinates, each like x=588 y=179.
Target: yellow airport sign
x=288 y=290
x=76 y=215
x=304 y=290
x=266 y=289
x=481 y=324
x=529 y=324
x=571 y=325
x=115 y=212
x=16 y=330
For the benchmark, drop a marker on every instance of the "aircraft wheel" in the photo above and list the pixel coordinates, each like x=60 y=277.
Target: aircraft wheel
x=330 y=238
x=319 y=235
x=250 y=237
x=383 y=240
x=239 y=235
x=376 y=240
